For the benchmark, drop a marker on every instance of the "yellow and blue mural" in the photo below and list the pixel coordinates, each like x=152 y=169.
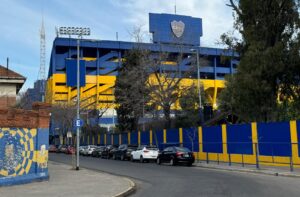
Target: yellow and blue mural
x=23 y=155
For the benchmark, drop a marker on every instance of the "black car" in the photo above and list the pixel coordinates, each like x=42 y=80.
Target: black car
x=62 y=149
x=175 y=155
x=124 y=152
x=109 y=151
x=98 y=151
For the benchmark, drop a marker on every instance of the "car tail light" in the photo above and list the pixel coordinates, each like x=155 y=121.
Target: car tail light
x=179 y=154
x=146 y=151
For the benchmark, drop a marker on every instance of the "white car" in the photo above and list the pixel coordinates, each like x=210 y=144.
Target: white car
x=87 y=151
x=145 y=153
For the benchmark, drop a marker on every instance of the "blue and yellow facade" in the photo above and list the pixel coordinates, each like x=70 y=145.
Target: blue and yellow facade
x=271 y=144
x=172 y=34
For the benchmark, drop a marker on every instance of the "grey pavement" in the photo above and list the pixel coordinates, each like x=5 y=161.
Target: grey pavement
x=177 y=181
x=263 y=169
x=67 y=182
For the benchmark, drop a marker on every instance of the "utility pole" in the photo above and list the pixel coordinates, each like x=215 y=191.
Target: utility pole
x=79 y=31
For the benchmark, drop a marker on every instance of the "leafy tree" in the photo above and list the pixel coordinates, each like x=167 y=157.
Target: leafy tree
x=130 y=90
x=269 y=59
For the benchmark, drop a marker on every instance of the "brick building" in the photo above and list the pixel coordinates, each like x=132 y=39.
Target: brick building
x=10 y=84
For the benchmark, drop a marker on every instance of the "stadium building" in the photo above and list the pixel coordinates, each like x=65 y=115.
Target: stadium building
x=100 y=60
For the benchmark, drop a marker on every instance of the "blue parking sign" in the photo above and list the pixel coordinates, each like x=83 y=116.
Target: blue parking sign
x=79 y=123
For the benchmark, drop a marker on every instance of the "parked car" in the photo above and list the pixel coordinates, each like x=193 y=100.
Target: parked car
x=108 y=152
x=88 y=150
x=145 y=153
x=124 y=152
x=81 y=149
x=175 y=155
x=98 y=151
x=62 y=149
x=52 y=149
x=71 y=150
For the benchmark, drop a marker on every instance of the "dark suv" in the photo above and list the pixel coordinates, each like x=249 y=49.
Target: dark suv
x=175 y=155
x=108 y=152
x=124 y=152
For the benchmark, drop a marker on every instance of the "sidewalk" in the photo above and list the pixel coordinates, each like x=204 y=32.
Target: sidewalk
x=268 y=170
x=65 y=182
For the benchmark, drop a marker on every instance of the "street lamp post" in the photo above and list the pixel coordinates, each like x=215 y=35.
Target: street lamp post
x=78 y=31
x=196 y=51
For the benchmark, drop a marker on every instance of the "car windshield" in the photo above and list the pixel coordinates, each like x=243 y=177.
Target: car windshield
x=182 y=149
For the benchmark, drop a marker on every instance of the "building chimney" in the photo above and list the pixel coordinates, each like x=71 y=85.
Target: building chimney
x=7 y=61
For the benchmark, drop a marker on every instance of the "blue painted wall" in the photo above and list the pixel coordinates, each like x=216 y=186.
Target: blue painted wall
x=160 y=26
x=239 y=139
x=274 y=139
x=190 y=135
x=145 y=137
x=172 y=135
x=212 y=139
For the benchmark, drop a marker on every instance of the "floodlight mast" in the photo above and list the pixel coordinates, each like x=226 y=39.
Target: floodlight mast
x=78 y=31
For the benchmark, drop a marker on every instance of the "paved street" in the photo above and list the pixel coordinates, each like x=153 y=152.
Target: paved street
x=154 y=180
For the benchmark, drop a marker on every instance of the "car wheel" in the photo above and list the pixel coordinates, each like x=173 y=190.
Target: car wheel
x=141 y=159
x=172 y=162
x=158 y=161
x=190 y=164
x=122 y=157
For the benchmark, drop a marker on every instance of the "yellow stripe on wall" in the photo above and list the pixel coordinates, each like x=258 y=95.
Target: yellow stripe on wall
x=165 y=135
x=98 y=138
x=105 y=139
x=294 y=141
x=180 y=136
x=224 y=139
x=150 y=137
x=128 y=136
x=139 y=138
x=120 y=139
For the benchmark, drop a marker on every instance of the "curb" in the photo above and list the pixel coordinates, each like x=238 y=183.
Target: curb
x=129 y=191
x=251 y=171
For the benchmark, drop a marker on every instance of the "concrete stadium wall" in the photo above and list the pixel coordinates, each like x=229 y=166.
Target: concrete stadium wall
x=24 y=141
x=272 y=143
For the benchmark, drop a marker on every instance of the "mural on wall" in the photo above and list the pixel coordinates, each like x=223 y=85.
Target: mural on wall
x=19 y=153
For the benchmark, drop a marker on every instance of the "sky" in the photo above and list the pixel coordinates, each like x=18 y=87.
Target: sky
x=20 y=24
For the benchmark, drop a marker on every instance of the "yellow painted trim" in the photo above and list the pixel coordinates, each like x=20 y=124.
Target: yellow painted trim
x=139 y=138
x=105 y=138
x=224 y=141
x=150 y=137
x=294 y=141
x=180 y=136
x=93 y=140
x=120 y=139
x=128 y=136
x=98 y=138
x=112 y=139
x=165 y=135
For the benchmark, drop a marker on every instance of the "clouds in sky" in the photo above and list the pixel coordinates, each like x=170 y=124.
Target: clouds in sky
x=20 y=22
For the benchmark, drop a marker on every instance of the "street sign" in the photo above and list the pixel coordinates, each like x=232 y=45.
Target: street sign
x=79 y=123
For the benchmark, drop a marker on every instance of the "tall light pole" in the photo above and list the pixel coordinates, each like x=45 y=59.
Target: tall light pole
x=196 y=51
x=78 y=31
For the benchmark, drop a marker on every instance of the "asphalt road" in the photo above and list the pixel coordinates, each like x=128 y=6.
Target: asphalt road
x=164 y=180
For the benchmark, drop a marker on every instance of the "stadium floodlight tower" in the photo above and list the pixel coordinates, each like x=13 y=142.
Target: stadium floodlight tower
x=77 y=31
